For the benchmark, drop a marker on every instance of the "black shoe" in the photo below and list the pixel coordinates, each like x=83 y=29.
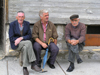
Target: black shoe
x=50 y=65
x=79 y=61
x=39 y=65
x=70 y=68
x=25 y=72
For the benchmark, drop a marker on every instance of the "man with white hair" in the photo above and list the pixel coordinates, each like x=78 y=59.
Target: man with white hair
x=42 y=31
x=75 y=38
x=20 y=35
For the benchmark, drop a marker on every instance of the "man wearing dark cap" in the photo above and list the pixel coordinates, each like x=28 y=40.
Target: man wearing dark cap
x=75 y=37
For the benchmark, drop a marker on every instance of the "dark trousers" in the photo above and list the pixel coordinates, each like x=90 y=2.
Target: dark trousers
x=53 y=49
x=72 y=53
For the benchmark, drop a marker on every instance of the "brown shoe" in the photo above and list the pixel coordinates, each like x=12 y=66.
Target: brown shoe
x=36 y=68
x=25 y=72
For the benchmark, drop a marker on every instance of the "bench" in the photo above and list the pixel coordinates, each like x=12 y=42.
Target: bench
x=86 y=48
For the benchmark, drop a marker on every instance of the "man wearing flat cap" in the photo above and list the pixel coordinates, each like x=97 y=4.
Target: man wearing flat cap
x=75 y=37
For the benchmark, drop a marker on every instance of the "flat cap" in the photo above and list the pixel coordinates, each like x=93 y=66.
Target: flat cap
x=74 y=16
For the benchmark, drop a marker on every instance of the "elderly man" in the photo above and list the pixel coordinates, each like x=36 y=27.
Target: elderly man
x=20 y=35
x=42 y=31
x=75 y=37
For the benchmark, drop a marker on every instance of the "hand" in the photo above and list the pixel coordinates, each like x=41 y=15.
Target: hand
x=74 y=42
x=17 y=41
x=55 y=41
x=44 y=45
x=69 y=41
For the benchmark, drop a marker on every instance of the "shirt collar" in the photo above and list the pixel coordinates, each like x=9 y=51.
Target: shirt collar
x=43 y=24
x=22 y=25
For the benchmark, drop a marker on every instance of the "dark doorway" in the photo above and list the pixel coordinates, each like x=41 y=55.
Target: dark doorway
x=1 y=26
x=95 y=29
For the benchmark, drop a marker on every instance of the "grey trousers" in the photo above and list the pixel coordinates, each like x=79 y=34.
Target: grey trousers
x=28 y=53
x=72 y=53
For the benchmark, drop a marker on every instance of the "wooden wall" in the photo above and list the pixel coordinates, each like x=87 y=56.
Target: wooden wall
x=59 y=10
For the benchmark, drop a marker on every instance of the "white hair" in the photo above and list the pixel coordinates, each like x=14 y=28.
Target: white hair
x=21 y=12
x=42 y=11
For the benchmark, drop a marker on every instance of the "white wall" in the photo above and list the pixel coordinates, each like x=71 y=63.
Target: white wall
x=59 y=10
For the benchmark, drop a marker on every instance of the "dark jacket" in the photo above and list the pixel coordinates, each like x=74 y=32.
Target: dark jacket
x=14 y=32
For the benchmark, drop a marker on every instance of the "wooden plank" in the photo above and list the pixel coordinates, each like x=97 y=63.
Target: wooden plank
x=6 y=8
x=92 y=40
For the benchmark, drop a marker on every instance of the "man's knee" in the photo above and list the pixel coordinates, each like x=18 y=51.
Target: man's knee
x=36 y=46
x=29 y=42
x=54 y=48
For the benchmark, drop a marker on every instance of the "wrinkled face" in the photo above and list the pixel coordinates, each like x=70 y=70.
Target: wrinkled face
x=75 y=21
x=45 y=17
x=20 y=17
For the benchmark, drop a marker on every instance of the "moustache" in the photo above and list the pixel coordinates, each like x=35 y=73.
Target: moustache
x=74 y=23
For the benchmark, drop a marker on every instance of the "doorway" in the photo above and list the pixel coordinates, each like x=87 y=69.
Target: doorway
x=1 y=28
